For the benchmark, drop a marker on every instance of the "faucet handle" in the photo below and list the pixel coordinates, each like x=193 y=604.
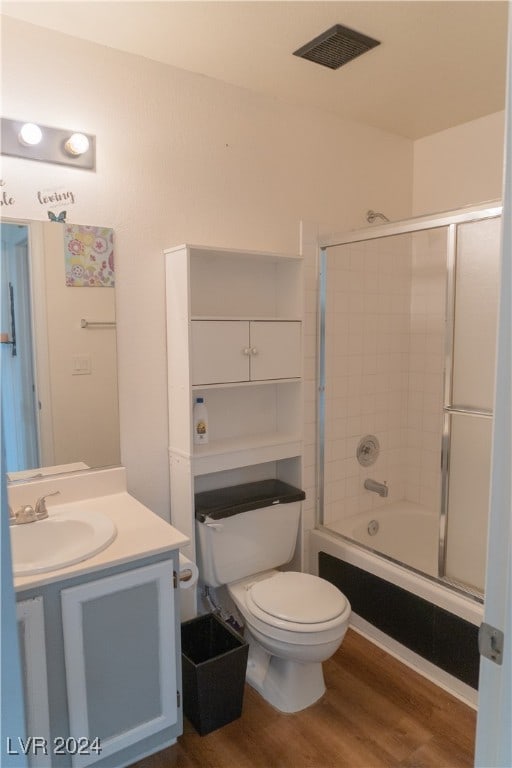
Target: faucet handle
x=40 y=509
x=25 y=514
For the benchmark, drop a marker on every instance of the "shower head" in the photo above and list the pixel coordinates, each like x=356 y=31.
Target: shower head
x=372 y=215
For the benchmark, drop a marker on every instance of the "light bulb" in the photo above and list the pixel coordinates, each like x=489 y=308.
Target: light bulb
x=77 y=144
x=30 y=135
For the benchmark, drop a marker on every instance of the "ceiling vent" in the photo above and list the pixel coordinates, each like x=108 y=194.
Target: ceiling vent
x=335 y=47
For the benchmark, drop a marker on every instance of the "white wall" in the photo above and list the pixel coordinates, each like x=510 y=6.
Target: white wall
x=460 y=166
x=84 y=409
x=181 y=158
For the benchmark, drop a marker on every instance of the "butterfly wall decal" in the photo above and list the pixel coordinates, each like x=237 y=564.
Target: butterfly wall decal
x=60 y=219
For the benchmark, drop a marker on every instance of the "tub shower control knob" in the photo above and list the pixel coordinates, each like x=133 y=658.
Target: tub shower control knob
x=368 y=450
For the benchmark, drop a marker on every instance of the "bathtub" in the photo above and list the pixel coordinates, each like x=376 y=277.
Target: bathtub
x=403 y=530
x=426 y=587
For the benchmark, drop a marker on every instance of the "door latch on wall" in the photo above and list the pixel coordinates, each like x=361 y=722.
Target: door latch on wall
x=490 y=643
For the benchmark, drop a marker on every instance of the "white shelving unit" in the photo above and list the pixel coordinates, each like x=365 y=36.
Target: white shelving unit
x=234 y=336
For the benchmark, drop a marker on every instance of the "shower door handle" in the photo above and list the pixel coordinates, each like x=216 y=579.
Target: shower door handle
x=468 y=411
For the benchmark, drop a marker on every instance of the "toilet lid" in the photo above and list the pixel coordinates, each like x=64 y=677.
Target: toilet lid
x=298 y=597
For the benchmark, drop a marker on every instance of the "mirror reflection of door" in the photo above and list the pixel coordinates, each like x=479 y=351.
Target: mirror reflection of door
x=59 y=390
x=19 y=403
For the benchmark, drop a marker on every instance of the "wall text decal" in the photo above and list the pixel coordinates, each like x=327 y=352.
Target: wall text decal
x=55 y=197
x=5 y=197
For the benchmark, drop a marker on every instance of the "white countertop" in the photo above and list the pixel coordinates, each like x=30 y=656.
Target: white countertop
x=140 y=533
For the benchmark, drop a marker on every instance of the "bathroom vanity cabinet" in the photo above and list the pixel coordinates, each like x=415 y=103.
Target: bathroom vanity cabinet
x=234 y=336
x=102 y=665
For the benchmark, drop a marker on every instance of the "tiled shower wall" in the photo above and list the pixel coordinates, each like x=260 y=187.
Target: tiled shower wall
x=384 y=370
x=426 y=368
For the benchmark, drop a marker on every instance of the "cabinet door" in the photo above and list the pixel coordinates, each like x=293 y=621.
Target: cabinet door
x=30 y=617
x=120 y=658
x=220 y=351
x=275 y=350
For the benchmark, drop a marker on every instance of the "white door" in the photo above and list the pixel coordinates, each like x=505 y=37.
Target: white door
x=494 y=737
x=275 y=350
x=18 y=383
x=220 y=351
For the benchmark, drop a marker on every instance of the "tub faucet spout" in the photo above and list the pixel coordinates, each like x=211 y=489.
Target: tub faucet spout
x=373 y=485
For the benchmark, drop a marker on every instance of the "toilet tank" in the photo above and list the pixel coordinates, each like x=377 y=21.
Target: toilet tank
x=246 y=529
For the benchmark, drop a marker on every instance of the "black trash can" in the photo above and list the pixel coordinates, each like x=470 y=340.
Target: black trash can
x=214 y=662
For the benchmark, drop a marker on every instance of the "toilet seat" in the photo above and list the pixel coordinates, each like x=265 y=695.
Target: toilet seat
x=296 y=602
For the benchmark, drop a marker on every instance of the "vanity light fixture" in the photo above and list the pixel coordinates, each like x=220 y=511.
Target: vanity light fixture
x=47 y=144
x=30 y=135
x=77 y=144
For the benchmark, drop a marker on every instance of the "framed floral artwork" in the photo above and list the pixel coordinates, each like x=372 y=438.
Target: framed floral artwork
x=89 y=256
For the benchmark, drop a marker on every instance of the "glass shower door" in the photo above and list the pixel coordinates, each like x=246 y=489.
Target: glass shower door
x=382 y=321
x=469 y=403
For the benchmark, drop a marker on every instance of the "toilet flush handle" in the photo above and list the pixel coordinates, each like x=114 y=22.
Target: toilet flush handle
x=215 y=526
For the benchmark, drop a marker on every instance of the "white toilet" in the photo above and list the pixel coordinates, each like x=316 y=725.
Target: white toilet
x=293 y=621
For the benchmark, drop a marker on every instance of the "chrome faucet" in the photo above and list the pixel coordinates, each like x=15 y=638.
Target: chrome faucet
x=40 y=508
x=28 y=514
x=380 y=488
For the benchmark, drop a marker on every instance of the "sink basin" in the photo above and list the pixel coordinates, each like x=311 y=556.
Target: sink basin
x=62 y=539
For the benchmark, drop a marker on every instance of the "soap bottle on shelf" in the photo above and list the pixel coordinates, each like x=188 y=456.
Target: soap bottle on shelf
x=200 y=422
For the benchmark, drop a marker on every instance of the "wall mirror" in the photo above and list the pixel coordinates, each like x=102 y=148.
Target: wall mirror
x=58 y=346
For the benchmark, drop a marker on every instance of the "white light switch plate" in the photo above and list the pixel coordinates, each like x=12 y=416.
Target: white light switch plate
x=81 y=365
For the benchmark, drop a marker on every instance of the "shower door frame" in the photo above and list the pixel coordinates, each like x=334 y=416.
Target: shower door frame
x=449 y=220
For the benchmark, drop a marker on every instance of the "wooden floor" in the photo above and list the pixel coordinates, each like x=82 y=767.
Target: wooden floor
x=376 y=712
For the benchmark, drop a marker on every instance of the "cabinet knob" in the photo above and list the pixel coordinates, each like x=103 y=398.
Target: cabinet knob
x=254 y=351
x=246 y=351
